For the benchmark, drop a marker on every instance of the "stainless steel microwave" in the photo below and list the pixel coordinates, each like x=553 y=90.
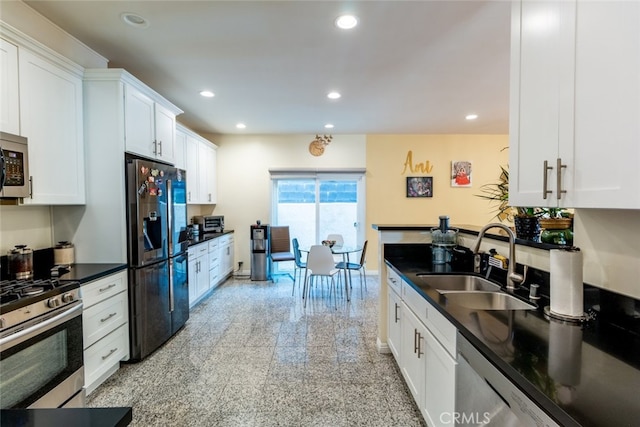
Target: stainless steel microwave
x=14 y=166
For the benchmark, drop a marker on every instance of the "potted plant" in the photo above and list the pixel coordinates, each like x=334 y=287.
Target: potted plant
x=525 y=219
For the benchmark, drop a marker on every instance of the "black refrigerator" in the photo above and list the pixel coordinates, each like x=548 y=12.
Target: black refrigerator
x=157 y=253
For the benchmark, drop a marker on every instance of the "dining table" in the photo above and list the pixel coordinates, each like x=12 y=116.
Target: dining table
x=343 y=250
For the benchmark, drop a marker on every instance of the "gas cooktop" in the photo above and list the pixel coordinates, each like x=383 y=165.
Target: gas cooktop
x=15 y=294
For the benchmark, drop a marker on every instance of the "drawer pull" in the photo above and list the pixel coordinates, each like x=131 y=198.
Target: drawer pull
x=113 y=285
x=113 y=350
x=108 y=317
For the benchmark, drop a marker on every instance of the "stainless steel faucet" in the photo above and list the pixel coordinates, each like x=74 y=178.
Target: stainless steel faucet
x=513 y=278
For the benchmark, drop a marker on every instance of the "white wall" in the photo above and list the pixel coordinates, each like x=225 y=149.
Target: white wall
x=610 y=243
x=244 y=185
x=25 y=225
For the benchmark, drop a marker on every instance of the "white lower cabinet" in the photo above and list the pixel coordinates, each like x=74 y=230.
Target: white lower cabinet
x=105 y=326
x=440 y=391
x=423 y=342
x=412 y=355
x=226 y=255
x=394 y=322
x=214 y=262
x=198 y=270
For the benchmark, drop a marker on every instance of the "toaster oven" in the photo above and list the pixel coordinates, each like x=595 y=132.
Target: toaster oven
x=210 y=223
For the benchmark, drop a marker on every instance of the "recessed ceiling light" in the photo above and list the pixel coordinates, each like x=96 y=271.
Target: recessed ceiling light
x=328 y=126
x=471 y=116
x=134 y=20
x=346 y=22
x=207 y=94
x=333 y=95
x=241 y=126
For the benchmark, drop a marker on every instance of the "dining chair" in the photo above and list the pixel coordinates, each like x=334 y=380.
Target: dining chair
x=299 y=265
x=280 y=247
x=350 y=266
x=320 y=264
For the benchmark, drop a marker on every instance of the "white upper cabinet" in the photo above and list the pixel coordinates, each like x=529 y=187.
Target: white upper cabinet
x=51 y=119
x=180 y=156
x=208 y=174
x=9 y=101
x=575 y=104
x=201 y=165
x=149 y=127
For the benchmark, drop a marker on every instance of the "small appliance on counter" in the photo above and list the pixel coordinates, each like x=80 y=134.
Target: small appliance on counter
x=64 y=253
x=21 y=262
x=443 y=240
x=210 y=223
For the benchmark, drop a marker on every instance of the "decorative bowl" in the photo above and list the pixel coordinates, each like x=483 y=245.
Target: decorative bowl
x=329 y=243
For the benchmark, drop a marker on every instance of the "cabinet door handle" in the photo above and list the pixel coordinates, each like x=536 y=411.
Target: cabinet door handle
x=396 y=316
x=31 y=187
x=415 y=340
x=545 y=168
x=189 y=195
x=559 y=168
x=209 y=196
x=113 y=285
x=155 y=147
x=160 y=145
x=108 y=317
x=113 y=350
x=420 y=352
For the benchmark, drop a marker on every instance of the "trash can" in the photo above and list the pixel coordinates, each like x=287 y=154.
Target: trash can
x=260 y=236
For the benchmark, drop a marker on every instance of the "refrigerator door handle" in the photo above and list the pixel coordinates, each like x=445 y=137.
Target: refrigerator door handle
x=171 y=299
x=170 y=216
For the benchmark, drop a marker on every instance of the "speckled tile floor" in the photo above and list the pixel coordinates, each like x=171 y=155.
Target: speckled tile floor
x=251 y=355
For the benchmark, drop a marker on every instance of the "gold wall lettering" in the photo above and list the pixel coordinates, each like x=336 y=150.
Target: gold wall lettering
x=425 y=167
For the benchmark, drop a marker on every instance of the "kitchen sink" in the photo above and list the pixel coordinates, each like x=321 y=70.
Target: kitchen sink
x=461 y=282
x=482 y=300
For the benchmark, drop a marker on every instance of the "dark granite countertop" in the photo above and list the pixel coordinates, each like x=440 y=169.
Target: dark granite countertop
x=463 y=228
x=84 y=273
x=68 y=417
x=208 y=236
x=575 y=372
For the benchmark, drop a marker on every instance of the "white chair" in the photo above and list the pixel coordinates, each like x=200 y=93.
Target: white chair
x=320 y=263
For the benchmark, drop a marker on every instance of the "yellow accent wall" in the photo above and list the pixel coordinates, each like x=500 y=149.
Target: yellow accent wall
x=386 y=180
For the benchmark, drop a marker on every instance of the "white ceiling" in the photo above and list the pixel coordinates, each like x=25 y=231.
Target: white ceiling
x=409 y=67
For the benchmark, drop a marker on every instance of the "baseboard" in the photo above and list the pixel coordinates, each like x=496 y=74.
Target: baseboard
x=382 y=347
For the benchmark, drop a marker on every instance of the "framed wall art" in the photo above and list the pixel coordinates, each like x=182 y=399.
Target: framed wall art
x=419 y=186
x=461 y=173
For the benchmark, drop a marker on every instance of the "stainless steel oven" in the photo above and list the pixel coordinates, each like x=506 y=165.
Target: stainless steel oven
x=41 y=348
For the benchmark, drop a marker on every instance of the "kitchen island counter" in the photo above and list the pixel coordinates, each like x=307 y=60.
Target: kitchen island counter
x=576 y=373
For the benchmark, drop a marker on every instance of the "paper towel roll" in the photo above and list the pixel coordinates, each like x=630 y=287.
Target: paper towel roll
x=566 y=282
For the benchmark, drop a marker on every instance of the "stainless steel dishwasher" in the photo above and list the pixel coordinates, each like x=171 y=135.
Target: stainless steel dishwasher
x=484 y=396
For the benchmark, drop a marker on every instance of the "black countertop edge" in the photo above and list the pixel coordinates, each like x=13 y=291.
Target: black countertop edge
x=525 y=386
x=68 y=417
x=84 y=273
x=467 y=229
x=208 y=236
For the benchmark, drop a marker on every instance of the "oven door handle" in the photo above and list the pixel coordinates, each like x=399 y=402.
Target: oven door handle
x=13 y=339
